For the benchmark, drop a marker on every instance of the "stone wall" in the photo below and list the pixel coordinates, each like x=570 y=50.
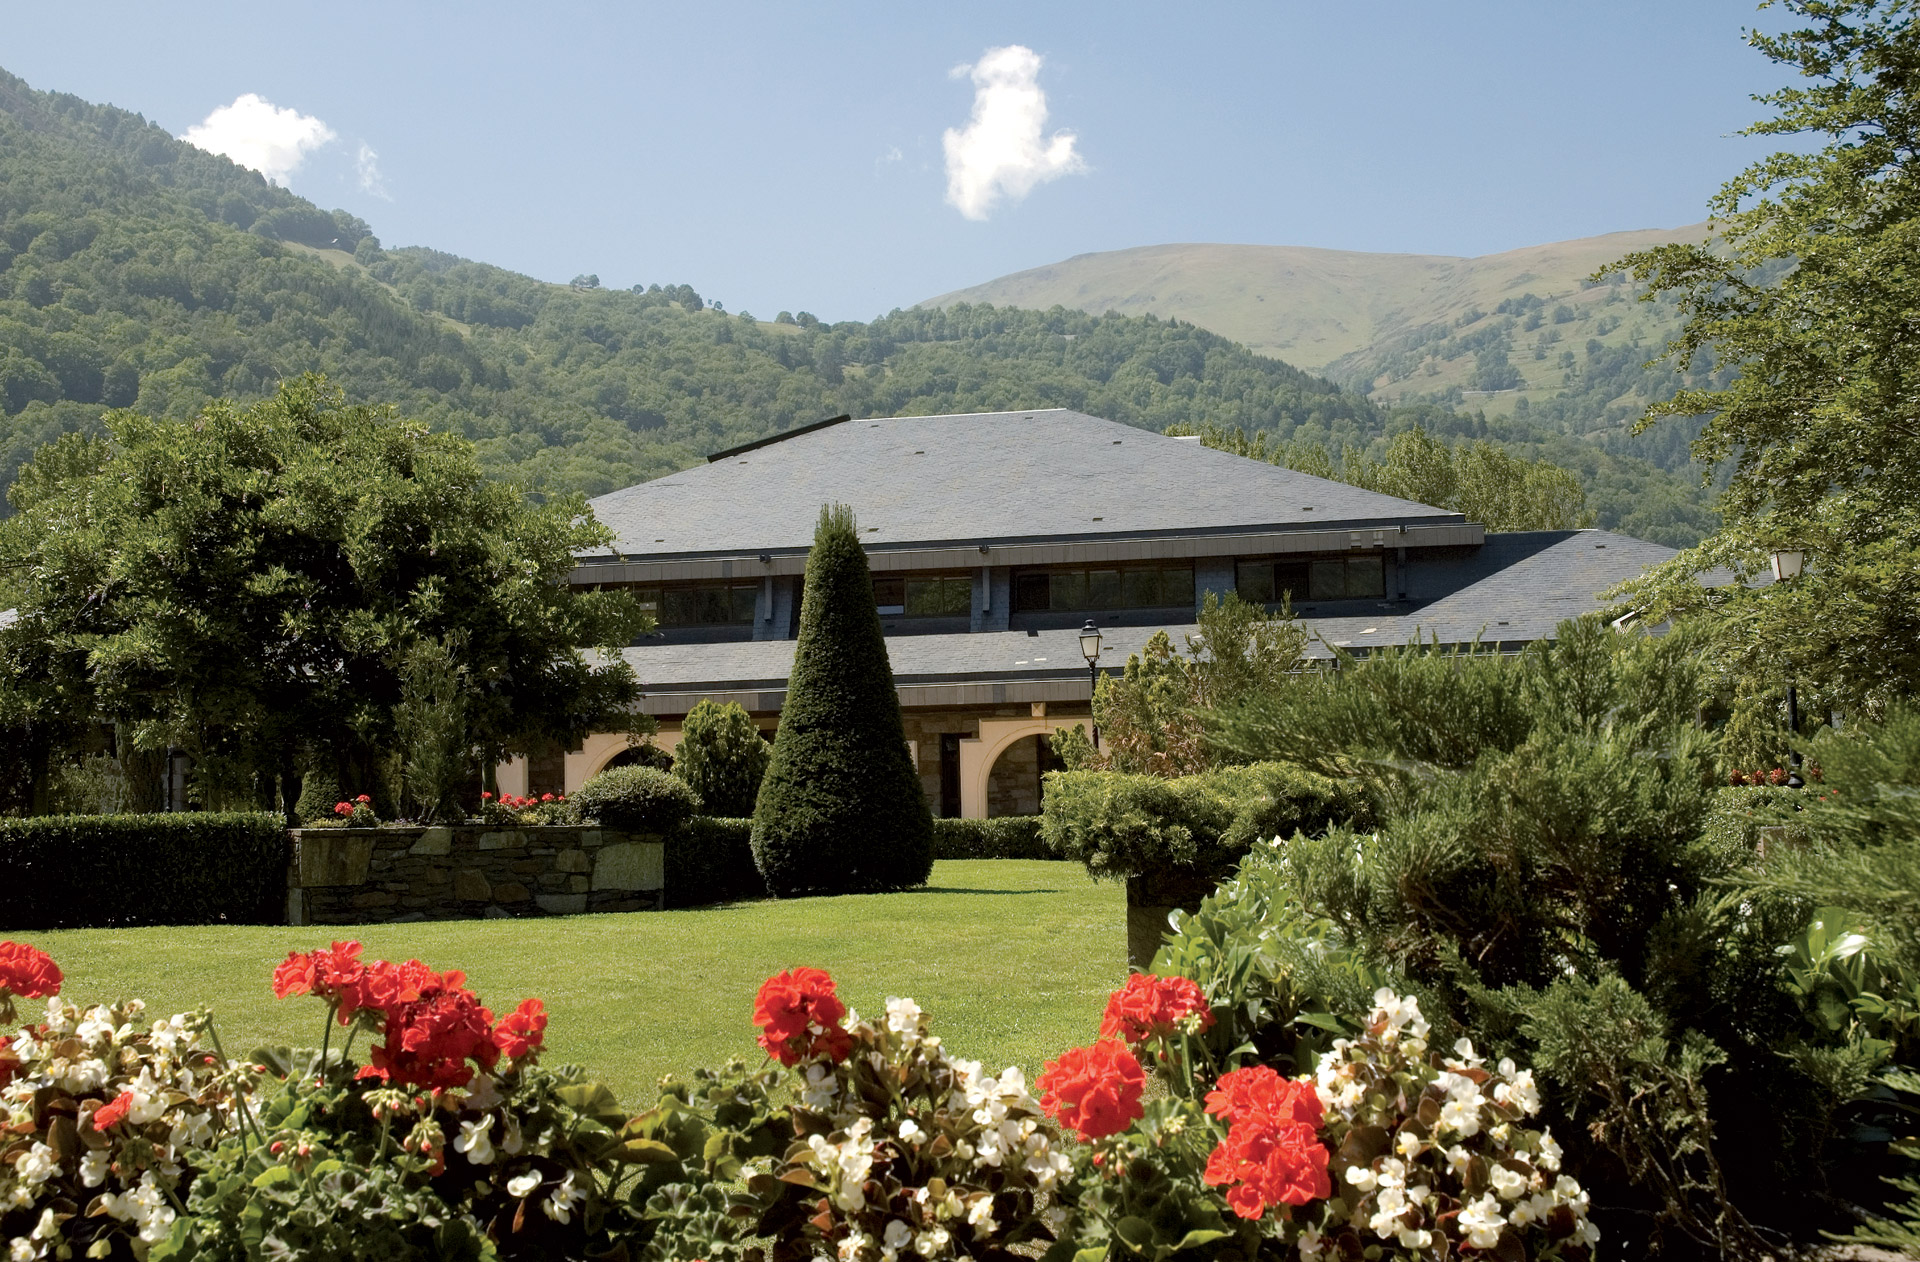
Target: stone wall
x=344 y=876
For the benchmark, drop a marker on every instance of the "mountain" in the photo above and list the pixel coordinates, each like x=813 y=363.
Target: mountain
x=1522 y=332
x=138 y=271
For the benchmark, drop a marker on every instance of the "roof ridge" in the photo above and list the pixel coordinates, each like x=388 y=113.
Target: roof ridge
x=779 y=438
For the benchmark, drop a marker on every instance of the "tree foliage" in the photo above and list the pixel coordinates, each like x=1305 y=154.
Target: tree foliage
x=249 y=585
x=722 y=757
x=1810 y=293
x=841 y=808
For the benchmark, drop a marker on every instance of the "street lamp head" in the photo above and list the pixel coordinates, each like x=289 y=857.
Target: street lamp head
x=1787 y=563
x=1090 y=642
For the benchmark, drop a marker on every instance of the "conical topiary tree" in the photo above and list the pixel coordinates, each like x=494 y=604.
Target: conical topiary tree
x=840 y=808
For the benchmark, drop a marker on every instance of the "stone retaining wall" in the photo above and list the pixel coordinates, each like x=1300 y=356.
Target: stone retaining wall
x=341 y=876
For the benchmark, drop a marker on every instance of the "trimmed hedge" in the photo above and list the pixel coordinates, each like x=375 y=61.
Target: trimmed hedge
x=710 y=860
x=1123 y=825
x=1009 y=837
x=635 y=800
x=93 y=871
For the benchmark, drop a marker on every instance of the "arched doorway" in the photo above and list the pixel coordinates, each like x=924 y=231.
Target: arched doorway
x=1014 y=782
x=978 y=756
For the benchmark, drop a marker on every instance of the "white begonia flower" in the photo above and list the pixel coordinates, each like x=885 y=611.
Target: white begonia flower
x=40 y=1164
x=96 y=1027
x=1519 y=1090
x=1390 y=1205
x=1568 y=1189
x=910 y=1132
x=1530 y=1211
x=1461 y=1116
x=1312 y=1244
x=560 y=1202
x=523 y=1186
x=1463 y=1048
x=512 y=1141
x=854 y=1243
x=93 y=1169
x=1588 y=1233
x=1362 y=1178
x=1412 y=1239
x=482 y=1095
x=191 y=1130
x=1402 y=1015
x=903 y=1016
x=48 y=1228
x=931 y=1242
x=980 y=1215
x=60 y=1017
x=1510 y=1184
x=1550 y=1153
x=1502 y=1134
x=476 y=1141
x=818 y=1089
x=1481 y=1222
x=21 y=1249
x=1408 y=1145
x=898 y=1235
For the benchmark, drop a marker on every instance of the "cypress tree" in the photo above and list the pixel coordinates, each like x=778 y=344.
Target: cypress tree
x=840 y=809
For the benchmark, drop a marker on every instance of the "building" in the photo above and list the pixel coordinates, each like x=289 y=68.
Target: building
x=994 y=537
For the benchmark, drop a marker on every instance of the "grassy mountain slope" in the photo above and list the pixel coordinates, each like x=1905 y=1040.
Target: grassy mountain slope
x=1517 y=332
x=138 y=271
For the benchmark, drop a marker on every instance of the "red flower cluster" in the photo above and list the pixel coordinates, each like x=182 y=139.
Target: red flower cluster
x=344 y=809
x=799 y=1017
x=517 y=802
x=432 y=1025
x=111 y=1114
x=27 y=972
x=1151 y=1007
x=1272 y=1154
x=1094 y=1090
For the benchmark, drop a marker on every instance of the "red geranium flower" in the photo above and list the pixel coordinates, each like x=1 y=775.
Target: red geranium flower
x=521 y=1031
x=1261 y=1090
x=363 y=799
x=28 y=971
x=108 y=1116
x=485 y=796
x=1272 y=1154
x=1094 y=1090
x=343 y=808
x=546 y=797
x=1149 y=1007
x=799 y=1017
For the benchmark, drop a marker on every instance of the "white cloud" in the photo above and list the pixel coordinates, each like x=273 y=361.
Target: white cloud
x=366 y=164
x=1001 y=151
x=256 y=133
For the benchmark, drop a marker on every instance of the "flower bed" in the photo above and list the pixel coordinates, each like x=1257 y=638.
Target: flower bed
x=861 y=1140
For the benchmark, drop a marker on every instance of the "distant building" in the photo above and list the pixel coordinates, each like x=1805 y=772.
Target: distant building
x=994 y=537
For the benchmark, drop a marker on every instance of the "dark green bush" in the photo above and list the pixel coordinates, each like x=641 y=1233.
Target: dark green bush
x=635 y=800
x=80 y=871
x=1123 y=825
x=1009 y=837
x=1736 y=816
x=319 y=794
x=841 y=809
x=710 y=860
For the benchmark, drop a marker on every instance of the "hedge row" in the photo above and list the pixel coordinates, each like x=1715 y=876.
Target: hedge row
x=709 y=859
x=1123 y=825
x=1009 y=837
x=85 y=871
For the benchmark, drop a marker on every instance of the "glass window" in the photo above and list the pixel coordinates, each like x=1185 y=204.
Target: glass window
x=700 y=605
x=890 y=594
x=1176 y=585
x=1327 y=580
x=1290 y=580
x=1130 y=587
x=1031 y=592
x=1103 y=589
x=1069 y=590
x=1367 y=577
x=1253 y=580
x=944 y=597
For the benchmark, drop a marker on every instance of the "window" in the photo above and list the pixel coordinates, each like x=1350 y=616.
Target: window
x=1322 y=578
x=1106 y=587
x=700 y=604
x=923 y=596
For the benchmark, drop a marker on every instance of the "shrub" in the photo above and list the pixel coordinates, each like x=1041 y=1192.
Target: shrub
x=722 y=757
x=76 y=871
x=841 y=807
x=319 y=790
x=1009 y=837
x=710 y=860
x=1736 y=815
x=635 y=800
x=1123 y=825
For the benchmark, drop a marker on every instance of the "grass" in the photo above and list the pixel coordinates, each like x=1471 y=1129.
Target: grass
x=1011 y=960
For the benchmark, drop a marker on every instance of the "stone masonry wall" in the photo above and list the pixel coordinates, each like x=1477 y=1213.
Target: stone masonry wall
x=364 y=875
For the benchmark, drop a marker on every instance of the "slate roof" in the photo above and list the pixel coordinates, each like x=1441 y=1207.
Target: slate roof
x=1526 y=584
x=980 y=477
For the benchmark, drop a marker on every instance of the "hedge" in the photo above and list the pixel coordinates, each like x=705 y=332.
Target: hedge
x=91 y=871
x=1123 y=825
x=709 y=859
x=1009 y=837
x=636 y=800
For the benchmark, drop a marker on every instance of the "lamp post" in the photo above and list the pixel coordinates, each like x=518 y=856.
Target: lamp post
x=1090 y=649
x=1787 y=563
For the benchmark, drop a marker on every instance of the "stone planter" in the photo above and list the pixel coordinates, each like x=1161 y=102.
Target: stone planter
x=1150 y=896
x=363 y=875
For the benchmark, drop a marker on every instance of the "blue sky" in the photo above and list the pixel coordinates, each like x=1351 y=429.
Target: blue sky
x=794 y=156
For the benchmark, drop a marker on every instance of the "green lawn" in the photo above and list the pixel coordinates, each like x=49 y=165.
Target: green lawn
x=1011 y=960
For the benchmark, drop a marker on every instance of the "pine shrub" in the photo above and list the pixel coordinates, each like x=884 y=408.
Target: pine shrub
x=841 y=809
x=722 y=757
x=319 y=794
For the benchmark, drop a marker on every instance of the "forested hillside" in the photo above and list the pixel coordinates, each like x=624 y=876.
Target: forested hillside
x=137 y=271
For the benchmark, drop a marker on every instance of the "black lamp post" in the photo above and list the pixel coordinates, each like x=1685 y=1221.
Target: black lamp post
x=1090 y=649
x=1787 y=563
